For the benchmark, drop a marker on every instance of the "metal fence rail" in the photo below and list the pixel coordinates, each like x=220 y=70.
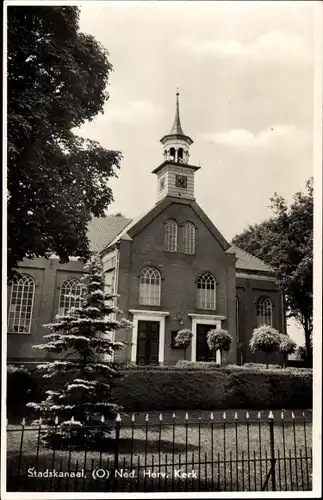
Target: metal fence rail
x=226 y=452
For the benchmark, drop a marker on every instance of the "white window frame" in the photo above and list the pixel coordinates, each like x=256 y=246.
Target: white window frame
x=263 y=305
x=189 y=232
x=206 y=294
x=149 y=294
x=110 y=288
x=65 y=300
x=170 y=241
x=26 y=293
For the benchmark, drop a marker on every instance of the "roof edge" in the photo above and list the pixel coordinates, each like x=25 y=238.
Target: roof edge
x=170 y=162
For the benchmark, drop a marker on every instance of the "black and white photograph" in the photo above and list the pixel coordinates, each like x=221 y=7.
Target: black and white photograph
x=162 y=249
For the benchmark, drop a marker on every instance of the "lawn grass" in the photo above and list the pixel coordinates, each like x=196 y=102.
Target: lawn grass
x=227 y=455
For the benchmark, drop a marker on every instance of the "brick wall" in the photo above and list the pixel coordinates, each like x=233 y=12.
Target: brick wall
x=178 y=292
x=48 y=275
x=179 y=273
x=248 y=292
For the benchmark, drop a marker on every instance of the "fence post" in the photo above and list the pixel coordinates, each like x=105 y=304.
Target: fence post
x=116 y=452
x=272 y=450
x=23 y=423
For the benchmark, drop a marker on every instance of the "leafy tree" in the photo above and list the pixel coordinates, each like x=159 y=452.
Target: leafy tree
x=218 y=339
x=286 y=346
x=285 y=242
x=183 y=339
x=57 y=79
x=265 y=339
x=81 y=386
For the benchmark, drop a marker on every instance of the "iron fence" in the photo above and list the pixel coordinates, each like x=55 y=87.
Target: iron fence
x=248 y=451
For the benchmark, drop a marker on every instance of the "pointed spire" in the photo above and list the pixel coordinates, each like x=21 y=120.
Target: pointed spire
x=176 y=132
x=177 y=126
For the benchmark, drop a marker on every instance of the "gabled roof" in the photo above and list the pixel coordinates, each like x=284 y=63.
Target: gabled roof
x=246 y=261
x=104 y=232
x=143 y=220
x=124 y=232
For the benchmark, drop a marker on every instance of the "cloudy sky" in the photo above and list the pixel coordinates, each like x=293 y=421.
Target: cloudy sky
x=245 y=74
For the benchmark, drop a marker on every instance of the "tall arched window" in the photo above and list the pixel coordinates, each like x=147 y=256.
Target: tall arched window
x=264 y=311
x=149 y=287
x=21 y=304
x=189 y=238
x=206 y=288
x=172 y=154
x=171 y=236
x=71 y=293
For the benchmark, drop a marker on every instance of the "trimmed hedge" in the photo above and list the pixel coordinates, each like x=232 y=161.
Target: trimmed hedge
x=220 y=388
x=192 y=387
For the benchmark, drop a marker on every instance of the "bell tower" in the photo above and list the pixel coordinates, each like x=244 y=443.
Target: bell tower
x=175 y=176
x=176 y=143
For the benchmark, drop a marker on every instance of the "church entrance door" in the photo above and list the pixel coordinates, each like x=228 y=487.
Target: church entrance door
x=148 y=343
x=203 y=352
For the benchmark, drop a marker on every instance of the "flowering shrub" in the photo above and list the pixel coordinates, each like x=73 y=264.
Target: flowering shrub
x=183 y=339
x=287 y=346
x=265 y=339
x=218 y=340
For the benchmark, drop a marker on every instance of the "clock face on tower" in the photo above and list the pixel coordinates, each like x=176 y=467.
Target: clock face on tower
x=181 y=181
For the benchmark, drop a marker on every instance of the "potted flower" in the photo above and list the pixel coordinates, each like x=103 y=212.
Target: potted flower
x=218 y=339
x=183 y=339
x=286 y=346
x=265 y=339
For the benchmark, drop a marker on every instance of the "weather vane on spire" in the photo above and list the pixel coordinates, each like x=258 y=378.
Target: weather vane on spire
x=177 y=93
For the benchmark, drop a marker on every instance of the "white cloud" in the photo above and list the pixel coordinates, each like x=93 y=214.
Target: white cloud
x=274 y=46
x=287 y=135
x=133 y=113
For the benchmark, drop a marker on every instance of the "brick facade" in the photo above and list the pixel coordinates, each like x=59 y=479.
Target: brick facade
x=179 y=273
x=128 y=246
x=178 y=290
x=48 y=275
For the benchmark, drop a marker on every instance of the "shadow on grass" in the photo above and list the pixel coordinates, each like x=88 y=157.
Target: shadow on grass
x=125 y=446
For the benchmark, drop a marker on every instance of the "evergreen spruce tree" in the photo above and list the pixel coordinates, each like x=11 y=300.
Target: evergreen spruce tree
x=77 y=409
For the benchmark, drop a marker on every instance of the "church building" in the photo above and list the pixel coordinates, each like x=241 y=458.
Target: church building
x=171 y=268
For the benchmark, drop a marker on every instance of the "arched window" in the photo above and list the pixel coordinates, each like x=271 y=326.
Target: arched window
x=189 y=238
x=237 y=320
x=180 y=155
x=21 y=304
x=171 y=236
x=206 y=291
x=71 y=294
x=149 y=287
x=172 y=154
x=264 y=311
